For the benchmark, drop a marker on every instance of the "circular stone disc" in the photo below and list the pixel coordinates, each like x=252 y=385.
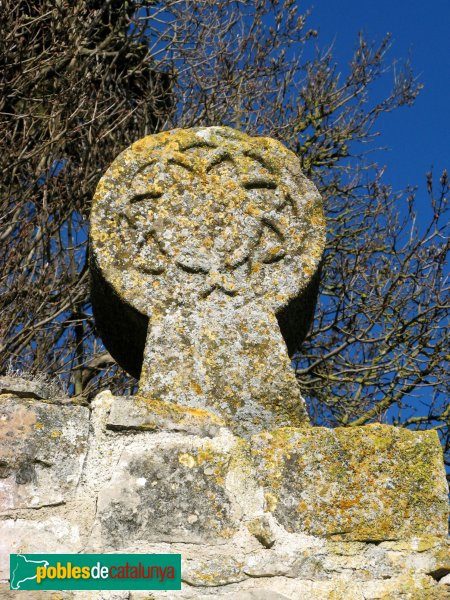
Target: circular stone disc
x=187 y=215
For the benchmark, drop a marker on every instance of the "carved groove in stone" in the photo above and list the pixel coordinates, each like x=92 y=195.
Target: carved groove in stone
x=210 y=234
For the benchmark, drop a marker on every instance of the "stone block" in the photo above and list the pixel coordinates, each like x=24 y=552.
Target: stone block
x=176 y=490
x=42 y=449
x=136 y=413
x=55 y=534
x=213 y=571
x=23 y=388
x=367 y=483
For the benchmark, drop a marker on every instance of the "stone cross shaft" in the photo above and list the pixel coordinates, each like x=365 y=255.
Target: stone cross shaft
x=200 y=239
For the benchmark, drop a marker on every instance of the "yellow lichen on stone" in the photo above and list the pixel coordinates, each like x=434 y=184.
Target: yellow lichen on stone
x=374 y=482
x=271 y=501
x=208 y=233
x=187 y=460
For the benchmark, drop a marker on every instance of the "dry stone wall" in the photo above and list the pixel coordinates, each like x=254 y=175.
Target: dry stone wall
x=291 y=514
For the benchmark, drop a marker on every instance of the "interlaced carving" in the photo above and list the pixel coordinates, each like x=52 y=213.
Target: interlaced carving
x=209 y=233
x=257 y=181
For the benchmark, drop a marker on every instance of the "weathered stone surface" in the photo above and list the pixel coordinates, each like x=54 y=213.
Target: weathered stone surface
x=256 y=594
x=27 y=536
x=151 y=491
x=262 y=529
x=213 y=572
x=367 y=483
x=404 y=587
x=208 y=236
x=42 y=449
x=7 y=594
x=175 y=492
x=144 y=414
x=22 y=388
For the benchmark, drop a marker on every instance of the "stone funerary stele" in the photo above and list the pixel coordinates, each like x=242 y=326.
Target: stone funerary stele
x=205 y=243
x=205 y=247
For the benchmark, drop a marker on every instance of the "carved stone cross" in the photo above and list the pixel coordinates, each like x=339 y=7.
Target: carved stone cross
x=204 y=242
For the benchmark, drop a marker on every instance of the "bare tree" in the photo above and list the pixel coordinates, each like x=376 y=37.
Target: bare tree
x=77 y=87
x=82 y=82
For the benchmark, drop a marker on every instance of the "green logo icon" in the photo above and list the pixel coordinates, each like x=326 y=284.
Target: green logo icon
x=95 y=571
x=24 y=570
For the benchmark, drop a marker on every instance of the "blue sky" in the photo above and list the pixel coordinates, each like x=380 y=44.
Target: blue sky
x=418 y=137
